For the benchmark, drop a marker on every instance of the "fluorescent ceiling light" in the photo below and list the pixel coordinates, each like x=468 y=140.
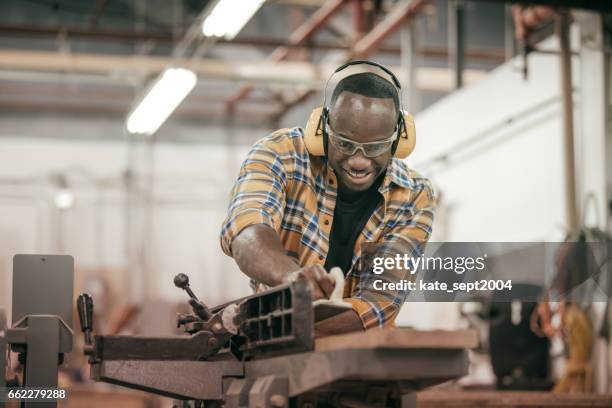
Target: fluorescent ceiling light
x=169 y=90
x=229 y=16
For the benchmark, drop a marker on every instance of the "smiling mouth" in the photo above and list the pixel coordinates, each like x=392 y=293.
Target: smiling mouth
x=358 y=176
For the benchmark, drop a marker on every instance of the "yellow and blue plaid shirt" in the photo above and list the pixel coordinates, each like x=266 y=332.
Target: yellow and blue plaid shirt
x=282 y=186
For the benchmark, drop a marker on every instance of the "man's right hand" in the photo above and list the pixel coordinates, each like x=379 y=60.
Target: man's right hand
x=321 y=283
x=261 y=256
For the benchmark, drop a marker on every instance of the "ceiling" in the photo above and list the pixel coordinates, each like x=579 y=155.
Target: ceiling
x=97 y=57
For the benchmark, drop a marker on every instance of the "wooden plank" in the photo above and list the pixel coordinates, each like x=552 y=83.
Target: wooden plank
x=98 y=395
x=509 y=399
x=400 y=338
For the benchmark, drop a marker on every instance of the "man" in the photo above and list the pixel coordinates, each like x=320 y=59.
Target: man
x=296 y=215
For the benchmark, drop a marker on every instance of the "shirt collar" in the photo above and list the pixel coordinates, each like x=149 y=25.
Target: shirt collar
x=397 y=173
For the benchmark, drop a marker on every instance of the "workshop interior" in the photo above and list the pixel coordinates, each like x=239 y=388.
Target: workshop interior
x=123 y=128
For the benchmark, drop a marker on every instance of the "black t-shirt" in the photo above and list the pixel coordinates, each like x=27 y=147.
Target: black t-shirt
x=350 y=217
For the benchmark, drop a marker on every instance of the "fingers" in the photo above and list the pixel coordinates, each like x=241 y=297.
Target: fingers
x=322 y=284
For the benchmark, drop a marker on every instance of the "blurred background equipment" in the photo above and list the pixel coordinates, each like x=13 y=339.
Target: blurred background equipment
x=520 y=359
x=41 y=333
x=578 y=333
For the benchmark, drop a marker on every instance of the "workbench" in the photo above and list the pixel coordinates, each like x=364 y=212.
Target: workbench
x=376 y=367
x=510 y=399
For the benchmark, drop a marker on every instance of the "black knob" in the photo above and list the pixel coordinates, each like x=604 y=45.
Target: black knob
x=182 y=281
x=85 y=310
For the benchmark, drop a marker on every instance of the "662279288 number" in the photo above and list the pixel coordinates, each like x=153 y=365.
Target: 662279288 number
x=42 y=394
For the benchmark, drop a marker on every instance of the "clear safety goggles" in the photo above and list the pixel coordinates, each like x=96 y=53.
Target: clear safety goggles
x=350 y=147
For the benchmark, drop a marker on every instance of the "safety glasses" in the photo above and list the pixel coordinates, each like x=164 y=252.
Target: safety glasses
x=349 y=147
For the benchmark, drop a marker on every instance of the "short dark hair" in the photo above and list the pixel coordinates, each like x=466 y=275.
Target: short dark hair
x=367 y=84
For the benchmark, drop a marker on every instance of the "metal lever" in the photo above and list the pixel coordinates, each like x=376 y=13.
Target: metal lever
x=85 y=310
x=182 y=281
x=199 y=308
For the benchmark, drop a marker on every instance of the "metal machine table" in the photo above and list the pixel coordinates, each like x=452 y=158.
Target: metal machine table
x=377 y=367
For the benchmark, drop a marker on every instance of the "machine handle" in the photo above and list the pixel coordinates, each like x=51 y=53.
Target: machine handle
x=182 y=281
x=199 y=308
x=85 y=310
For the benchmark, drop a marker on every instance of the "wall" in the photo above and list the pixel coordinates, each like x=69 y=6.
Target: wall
x=494 y=151
x=191 y=188
x=515 y=186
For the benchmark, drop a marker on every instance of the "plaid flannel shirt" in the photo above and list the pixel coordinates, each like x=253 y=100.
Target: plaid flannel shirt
x=282 y=186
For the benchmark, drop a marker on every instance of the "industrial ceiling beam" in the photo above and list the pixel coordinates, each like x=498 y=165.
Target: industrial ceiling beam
x=401 y=12
x=55 y=91
x=248 y=115
x=369 y=43
x=297 y=38
x=291 y=73
x=129 y=35
x=82 y=32
x=315 y=22
x=121 y=65
x=597 y=5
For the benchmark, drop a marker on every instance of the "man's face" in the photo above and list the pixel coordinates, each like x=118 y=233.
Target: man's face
x=362 y=119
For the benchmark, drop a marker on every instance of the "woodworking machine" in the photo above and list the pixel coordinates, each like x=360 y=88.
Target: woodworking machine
x=260 y=351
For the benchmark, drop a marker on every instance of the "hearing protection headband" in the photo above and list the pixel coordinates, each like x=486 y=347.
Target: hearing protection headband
x=394 y=81
x=315 y=132
x=386 y=70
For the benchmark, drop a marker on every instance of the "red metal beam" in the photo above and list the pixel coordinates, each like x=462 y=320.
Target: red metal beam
x=392 y=21
x=128 y=35
x=367 y=45
x=317 y=20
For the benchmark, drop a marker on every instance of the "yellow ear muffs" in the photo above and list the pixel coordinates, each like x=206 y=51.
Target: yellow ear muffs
x=407 y=137
x=315 y=142
x=313 y=133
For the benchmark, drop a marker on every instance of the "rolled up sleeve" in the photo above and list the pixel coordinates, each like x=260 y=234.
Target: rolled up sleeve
x=258 y=196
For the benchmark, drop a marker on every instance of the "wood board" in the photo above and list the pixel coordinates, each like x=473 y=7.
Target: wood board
x=436 y=398
x=400 y=338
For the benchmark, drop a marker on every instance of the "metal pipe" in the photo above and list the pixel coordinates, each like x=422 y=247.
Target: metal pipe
x=562 y=25
x=509 y=40
x=456 y=40
x=408 y=41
